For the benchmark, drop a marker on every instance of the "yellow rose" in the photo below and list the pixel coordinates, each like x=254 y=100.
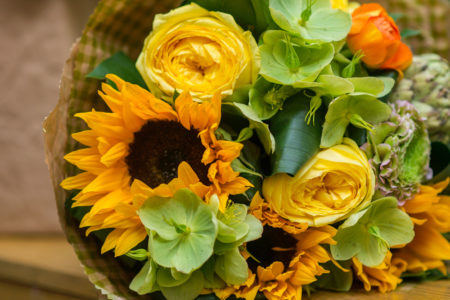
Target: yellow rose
x=191 y=48
x=332 y=185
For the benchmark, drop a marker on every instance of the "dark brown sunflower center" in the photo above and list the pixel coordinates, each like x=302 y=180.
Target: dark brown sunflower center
x=274 y=245
x=157 y=150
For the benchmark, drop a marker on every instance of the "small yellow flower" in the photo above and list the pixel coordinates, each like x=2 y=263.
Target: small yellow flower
x=193 y=49
x=333 y=184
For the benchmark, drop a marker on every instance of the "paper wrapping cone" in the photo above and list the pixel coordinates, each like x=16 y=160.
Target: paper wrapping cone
x=115 y=25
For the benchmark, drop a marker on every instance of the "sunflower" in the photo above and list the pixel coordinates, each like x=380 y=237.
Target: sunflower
x=385 y=277
x=145 y=147
x=287 y=256
x=430 y=213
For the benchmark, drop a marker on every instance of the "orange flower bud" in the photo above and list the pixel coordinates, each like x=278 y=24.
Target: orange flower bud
x=375 y=33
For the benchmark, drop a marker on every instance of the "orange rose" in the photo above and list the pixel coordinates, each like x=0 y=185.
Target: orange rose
x=377 y=36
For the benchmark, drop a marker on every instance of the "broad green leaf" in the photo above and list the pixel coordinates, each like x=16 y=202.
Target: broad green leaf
x=144 y=281
x=321 y=23
x=351 y=108
x=169 y=278
x=296 y=142
x=337 y=280
x=370 y=233
x=183 y=230
x=262 y=129
x=186 y=291
x=232 y=267
x=275 y=67
x=121 y=65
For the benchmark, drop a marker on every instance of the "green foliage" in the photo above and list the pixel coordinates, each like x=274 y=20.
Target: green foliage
x=262 y=129
x=312 y=20
x=266 y=98
x=296 y=141
x=145 y=281
x=337 y=280
x=251 y=15
x=370 y=233
x=289 y=60
x=358 y=109
x=192 y=245
x=121 y=65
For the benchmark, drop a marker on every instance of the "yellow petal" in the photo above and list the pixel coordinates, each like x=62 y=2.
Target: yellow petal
x=77 y=182
x=130 y=238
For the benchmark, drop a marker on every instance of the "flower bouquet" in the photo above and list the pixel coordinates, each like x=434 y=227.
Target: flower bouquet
x=250 y=149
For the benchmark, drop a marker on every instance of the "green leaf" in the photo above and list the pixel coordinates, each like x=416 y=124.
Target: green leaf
x=356 y=106
x=396 y=16
x=313 y=58
x=232 y=267
x=245 y=134
x=238 y=166
x=337 y=280
x=318 y=22
x=369 y=234
x=249 y=14
x=406 y=33
x=262 y=129
x=186 y=291
x=121 y=65
x=144 y=281
x=296 y=142
x=183 y=230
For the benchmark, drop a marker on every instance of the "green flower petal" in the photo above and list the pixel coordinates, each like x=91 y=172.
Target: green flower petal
x=192 y=227
x=370 y=233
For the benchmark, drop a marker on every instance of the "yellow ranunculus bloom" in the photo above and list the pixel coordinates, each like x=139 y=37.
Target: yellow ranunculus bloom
x=193 y=49
x=333 y=184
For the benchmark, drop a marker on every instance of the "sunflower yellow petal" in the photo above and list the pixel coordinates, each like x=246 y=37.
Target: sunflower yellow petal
x=107 y=181
x=114 y=154
x=130 y=238
x=77 y=182
x=111 y=240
